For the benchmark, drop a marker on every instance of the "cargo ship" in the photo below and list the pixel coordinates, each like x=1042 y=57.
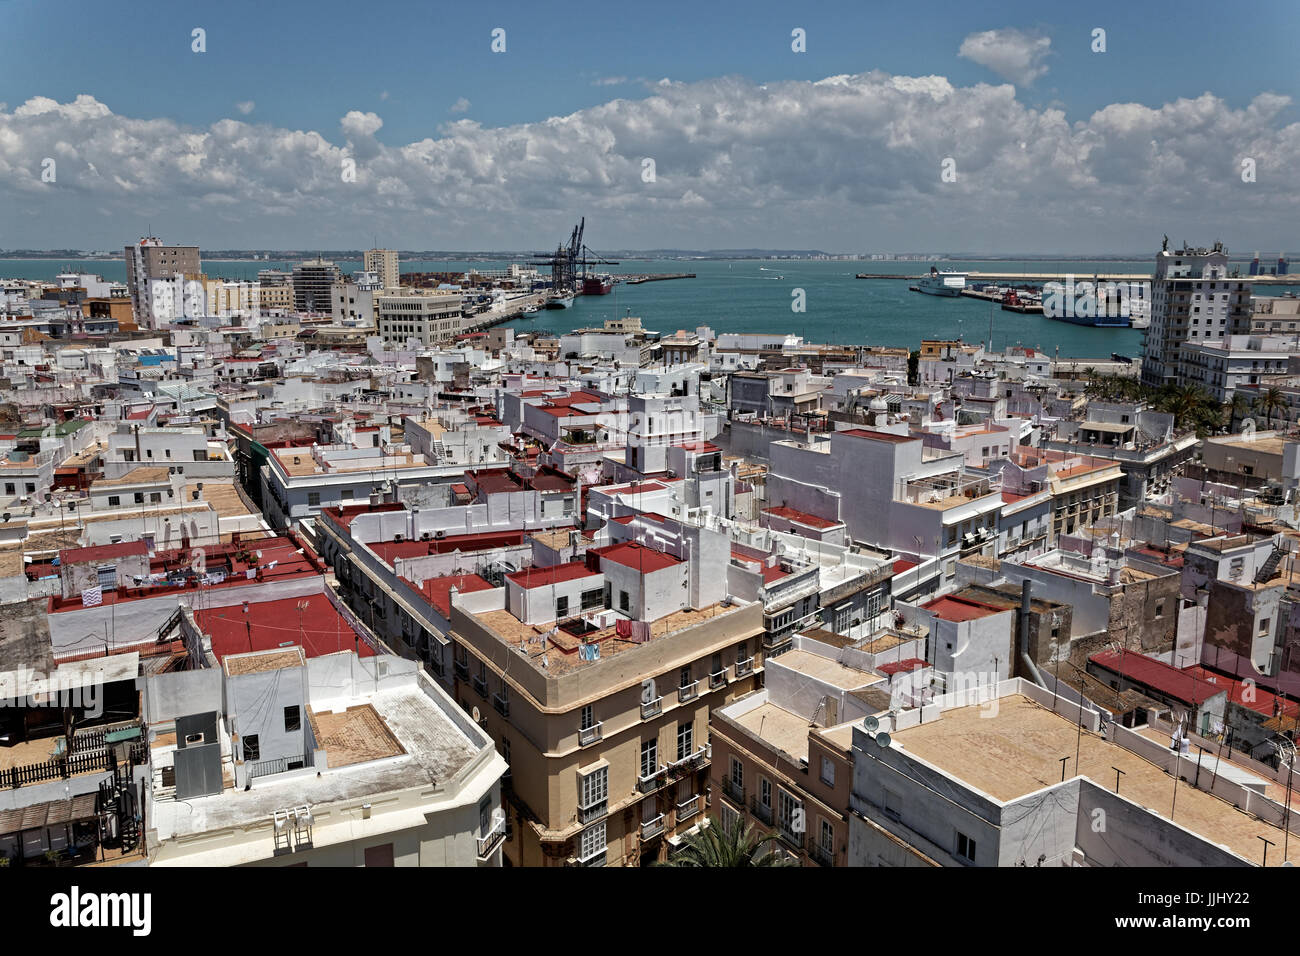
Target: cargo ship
x=598 y=285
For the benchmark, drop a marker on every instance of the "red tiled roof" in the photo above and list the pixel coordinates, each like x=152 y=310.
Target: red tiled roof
x=1181 y=685
x=1260 y=700
x=343 y=515
x=438 y=590
x=951 y=608
x=536 y=577
x=904 y=666
x=317 y=628
x=801 y=517
x=877 y=436
x=636 y=556
x=102 y=552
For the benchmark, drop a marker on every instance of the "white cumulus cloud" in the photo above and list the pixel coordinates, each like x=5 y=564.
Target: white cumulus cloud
x=246 y=107
x=460 y=106
x=1015 y=55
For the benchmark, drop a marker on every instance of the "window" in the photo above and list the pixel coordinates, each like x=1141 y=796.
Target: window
x=765 y=793
x=965 y=847
x=114 y=501
x=252 y=748
x=742 y=652
x=790 y=813
x=592 y=843
x=649 y=757
x=623 y=603
x=827 y=840
x=292 y=719
x=729 y=817
x=593 y=789
x=139 y=497
x=685 y=679
x=1263 y=625
x=593 y=599
x=737 y=774
x=561 y=607
x=828 y=771
x=685 y=740
x=588 y=717
x=313 y=499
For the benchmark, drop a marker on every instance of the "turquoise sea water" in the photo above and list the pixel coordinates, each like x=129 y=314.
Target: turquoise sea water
x=756 y=296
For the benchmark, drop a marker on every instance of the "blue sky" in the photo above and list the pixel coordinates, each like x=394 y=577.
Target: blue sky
x=420 y=66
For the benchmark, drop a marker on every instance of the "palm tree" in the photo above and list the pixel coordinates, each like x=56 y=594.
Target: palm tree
x=1240 y=408
x=714 y=845
x=1270 y=402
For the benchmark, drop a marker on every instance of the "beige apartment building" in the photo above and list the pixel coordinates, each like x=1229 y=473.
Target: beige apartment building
x=609 y=757
x=383 y=262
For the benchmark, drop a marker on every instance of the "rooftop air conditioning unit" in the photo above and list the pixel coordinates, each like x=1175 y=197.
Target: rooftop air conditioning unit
x=425 y=536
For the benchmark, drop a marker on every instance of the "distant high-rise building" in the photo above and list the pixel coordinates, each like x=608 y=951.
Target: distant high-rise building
x=1283 y=267
x=149 y=259
x=1254 y=265
x=1194 y=301
x=313 y=281
x=383 y=262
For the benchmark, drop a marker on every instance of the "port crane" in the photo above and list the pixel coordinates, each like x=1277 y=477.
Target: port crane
x=569 y=262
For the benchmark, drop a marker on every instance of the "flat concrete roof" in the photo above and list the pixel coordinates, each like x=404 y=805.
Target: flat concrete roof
x=1017 y=750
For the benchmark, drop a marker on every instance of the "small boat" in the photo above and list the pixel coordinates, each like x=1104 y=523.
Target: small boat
x=530 y=310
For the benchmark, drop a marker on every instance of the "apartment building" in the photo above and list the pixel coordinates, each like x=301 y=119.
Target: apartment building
x=782 y=755
x=383 y=264
x=892 y=492
x=312 y=282
x=428 y=318
x=277 y=759
x=596 y=680
x=150 y=260
x=1195 y=300
x=1013 y=775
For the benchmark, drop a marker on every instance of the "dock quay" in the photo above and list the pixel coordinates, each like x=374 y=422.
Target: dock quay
x=486 y=320
x=1292 y=278
x=656 y=277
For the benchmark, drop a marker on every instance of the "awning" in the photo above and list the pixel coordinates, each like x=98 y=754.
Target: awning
x=49 y=814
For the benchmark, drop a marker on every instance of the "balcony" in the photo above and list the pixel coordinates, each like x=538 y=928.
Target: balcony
x=488 y=843
x=761 y=813
x=717 y=679
x=501 y=704
x=596 y=859
x=690 y=761
x=587 y=814
x=462 y=669
x=688 y=808
x=480 y=685
x=652 y=708
x=734 y=790
x=745 y=668
x=589 y=735
x=789 y=836
x=652 y=828
x=653 y=782
x=688 y=691
x=821 y=855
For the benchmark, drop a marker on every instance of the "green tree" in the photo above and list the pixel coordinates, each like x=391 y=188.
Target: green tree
x=1272 y=402
x=714 y=845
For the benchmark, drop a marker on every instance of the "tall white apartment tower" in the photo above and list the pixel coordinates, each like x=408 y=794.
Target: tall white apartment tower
x=1194 y=300
x=383 y=262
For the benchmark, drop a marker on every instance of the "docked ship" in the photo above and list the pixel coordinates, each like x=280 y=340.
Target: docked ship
x=941 y=283
x=561 y=300
x=598 y=285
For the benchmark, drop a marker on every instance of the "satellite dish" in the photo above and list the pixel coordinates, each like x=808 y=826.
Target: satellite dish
x=871 y=724
x=883 y=740
x=475 y=715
